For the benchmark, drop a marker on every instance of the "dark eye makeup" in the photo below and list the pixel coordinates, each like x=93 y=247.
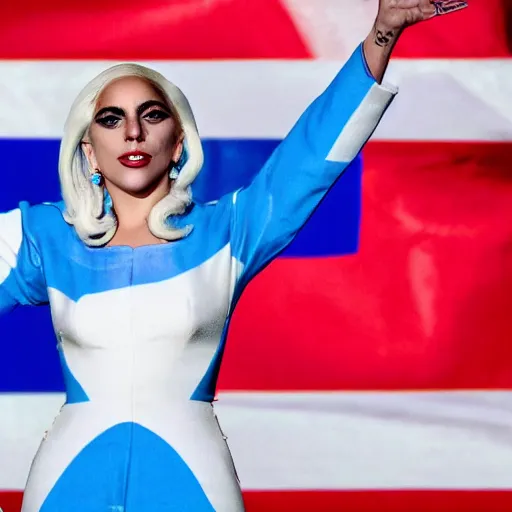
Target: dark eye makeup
x=109 y=121
x=110 y=117
x=156 y=115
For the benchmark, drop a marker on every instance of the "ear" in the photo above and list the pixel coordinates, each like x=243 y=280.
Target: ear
x=89 y=153
x=178 y=149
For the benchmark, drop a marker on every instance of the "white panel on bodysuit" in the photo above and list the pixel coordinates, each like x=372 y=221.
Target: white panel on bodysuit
x=147 y=340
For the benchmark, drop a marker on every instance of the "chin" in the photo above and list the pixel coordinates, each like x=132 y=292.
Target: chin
x=139 y=183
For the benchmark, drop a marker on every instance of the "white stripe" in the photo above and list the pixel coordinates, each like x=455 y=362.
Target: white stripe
x=438 y=99
x=439 y=440
x=332 y=27
x=11 y=234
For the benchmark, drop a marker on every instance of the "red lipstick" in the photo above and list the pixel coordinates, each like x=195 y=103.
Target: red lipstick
x=135 y=159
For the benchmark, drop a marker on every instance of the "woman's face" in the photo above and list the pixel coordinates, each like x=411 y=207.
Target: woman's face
x=133 y=137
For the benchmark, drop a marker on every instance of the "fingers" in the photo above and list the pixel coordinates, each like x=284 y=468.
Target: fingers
x=427 y=8
x=447 y=6
x=409 y=4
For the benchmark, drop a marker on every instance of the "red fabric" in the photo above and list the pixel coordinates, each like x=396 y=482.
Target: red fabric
x=231 y=29
x=425 y=304
x=353 y=501
x=10 y=501
x=507 y=7
x=476 y=32
x=379 y=501
x=154 y=29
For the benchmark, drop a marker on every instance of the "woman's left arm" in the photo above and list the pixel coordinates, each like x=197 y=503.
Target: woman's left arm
x=268 y=213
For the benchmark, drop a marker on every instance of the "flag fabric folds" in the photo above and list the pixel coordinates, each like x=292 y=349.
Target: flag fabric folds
x=368 y=366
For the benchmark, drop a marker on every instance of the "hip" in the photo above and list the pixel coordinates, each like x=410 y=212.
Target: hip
x=136 y=453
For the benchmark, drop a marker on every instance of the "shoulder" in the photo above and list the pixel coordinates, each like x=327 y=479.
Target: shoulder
x=43 y=221
x=213 y=216
x=42 y=215
x=43 y=212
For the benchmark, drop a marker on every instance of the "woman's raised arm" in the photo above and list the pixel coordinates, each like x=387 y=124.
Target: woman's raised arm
x=268 y=213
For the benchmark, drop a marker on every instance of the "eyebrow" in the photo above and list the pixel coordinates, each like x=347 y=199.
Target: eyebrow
x=140 y=109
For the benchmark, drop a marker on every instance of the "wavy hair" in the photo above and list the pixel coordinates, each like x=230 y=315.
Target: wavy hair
x=84 y=201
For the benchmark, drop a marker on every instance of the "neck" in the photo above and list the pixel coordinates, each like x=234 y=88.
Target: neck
x=132 y=210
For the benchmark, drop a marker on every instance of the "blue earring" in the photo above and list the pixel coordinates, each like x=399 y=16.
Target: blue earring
x=174 y=173
x=96 y=179
x=107 y=201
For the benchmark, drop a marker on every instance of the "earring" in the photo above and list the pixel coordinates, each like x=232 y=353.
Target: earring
x=174 y=173
x=96 y=178
x=107 y=202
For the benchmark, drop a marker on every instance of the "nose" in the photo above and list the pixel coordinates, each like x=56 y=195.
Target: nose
x=134 y=130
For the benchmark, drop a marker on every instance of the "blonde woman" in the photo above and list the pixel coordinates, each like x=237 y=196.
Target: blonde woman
x=142 y=281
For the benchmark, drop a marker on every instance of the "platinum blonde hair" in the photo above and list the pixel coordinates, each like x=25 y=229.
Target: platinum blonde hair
x=84 y=200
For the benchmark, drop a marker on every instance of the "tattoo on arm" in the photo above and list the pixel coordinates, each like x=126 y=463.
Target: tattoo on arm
x=447 y=6
x=383 y=37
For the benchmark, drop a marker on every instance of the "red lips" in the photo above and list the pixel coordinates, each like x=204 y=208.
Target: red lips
x=135 y=159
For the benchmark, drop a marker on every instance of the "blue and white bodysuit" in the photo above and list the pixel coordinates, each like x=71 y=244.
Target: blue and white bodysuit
x=141 y=331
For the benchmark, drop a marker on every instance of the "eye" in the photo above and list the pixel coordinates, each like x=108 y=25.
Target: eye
x=156 y=116
x=108 y=121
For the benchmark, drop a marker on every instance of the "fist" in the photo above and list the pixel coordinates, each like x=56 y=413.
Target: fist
x=395 y=15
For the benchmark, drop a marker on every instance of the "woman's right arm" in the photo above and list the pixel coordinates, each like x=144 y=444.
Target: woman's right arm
x=21 y=275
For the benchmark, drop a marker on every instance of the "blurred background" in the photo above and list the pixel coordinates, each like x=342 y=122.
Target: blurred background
x=370 y=366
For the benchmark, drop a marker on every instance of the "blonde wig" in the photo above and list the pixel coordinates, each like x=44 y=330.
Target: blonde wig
x=84 y=200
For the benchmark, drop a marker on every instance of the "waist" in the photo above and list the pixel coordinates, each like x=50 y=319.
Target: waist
x=171 y=396
x=131 y=405
x=184 y=415
x=146 y=373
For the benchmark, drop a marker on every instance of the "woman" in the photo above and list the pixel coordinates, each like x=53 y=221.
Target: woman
x=142 y=281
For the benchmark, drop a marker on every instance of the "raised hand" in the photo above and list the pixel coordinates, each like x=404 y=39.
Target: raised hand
x=393 y=17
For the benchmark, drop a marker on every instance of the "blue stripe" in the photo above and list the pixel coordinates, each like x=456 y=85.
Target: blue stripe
x=229 y=165
x=30 y=361
x=30 y=173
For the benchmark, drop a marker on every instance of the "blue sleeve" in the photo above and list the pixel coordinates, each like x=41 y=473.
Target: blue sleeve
x=21 y=275
x=267 y=214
